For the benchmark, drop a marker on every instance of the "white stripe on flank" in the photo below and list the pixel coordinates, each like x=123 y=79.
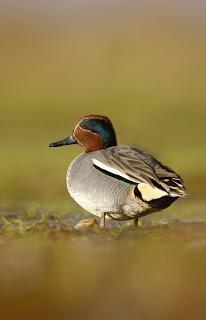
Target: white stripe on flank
x=113 y=170
x=150 y=193
x=147 y=191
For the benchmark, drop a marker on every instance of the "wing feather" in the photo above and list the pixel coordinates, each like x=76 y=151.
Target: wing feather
x=141 y=168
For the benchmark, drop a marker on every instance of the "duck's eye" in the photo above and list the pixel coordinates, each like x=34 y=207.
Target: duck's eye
x=97 y=126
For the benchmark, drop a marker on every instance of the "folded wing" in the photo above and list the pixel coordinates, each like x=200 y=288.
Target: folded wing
x=153 y=179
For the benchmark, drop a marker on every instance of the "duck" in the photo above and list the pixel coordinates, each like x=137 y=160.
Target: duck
x=114 y=181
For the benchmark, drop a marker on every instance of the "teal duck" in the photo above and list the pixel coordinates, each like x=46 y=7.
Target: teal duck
x=116 y=181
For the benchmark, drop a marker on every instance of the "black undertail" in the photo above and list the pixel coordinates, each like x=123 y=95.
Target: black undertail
x=161 y=203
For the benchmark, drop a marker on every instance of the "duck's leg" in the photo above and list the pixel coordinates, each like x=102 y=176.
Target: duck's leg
x=102 y=221
x=136 y=222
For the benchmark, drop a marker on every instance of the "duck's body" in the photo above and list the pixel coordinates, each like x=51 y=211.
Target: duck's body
x=118 y=182
x=98 y=192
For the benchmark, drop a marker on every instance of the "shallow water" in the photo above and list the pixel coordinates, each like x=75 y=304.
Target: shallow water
x=50 y=270
x=145 y=70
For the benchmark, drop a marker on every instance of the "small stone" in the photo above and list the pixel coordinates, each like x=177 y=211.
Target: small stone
x=86 y=224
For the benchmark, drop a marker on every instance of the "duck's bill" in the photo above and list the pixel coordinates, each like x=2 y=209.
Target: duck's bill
x=67 y=141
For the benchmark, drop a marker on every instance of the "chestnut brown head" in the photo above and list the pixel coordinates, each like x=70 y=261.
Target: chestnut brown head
x=92 y=132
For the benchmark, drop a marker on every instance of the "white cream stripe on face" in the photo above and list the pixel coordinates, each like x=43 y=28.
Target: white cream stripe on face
x=113 y=170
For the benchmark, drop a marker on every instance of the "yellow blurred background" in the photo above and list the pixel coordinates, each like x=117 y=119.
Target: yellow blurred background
x=143 y=64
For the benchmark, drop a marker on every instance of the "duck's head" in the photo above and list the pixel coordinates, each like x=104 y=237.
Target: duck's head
x=92 y=132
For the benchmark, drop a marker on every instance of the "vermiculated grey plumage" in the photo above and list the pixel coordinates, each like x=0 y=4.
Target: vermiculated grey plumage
x=99 y=190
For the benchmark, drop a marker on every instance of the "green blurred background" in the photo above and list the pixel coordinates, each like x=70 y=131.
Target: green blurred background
x=142 y=65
